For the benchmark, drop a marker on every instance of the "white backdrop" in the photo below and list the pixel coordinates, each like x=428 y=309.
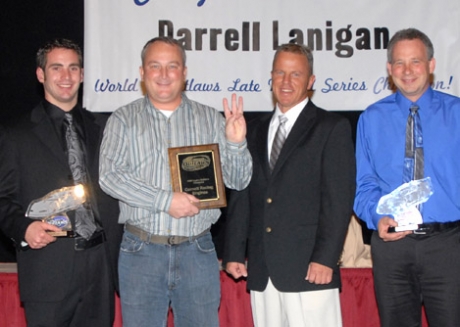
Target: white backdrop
x=230 y=46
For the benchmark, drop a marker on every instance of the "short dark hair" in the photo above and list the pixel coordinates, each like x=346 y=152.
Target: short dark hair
x=298 y=49
x=57 y=44
x=168 y=40
x=410 y=34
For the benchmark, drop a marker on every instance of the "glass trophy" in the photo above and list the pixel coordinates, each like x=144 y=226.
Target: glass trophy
x=53 y=207
x=403 y=203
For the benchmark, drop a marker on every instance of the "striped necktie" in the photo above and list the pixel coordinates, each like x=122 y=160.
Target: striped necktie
x=278 y=141
x=84 y=219
x=413 y=161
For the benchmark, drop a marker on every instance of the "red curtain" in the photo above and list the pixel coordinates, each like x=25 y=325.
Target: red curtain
x=357 y=297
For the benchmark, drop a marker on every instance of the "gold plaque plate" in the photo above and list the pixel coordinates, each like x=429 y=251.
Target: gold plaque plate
x=197 y=170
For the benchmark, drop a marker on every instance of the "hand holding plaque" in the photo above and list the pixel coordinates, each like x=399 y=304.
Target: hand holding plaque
x=53 y=207
x=197 y=170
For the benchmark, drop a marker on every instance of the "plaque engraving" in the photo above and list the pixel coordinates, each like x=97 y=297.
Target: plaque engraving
x=197 y=170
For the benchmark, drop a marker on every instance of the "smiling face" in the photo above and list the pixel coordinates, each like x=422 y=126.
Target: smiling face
x=410 y=68
x=163 y=73
x=291 y=79
x=61 y=78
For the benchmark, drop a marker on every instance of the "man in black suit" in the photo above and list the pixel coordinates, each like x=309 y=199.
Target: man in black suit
x=63 y=281
x=293 y=216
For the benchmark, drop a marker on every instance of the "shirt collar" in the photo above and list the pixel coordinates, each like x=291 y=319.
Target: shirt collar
x=423 y=102
x=57 y=115
x=291 y=114
x=182 y=105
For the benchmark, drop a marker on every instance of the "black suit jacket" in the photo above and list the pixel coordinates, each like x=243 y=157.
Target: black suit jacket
x=299 y=213
x=34 y=163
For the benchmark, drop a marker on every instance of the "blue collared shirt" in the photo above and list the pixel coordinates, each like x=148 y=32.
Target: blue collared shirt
x=380 y=144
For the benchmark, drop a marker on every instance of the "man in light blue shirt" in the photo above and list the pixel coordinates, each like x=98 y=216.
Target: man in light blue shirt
x=134 y=168
x=420 y=266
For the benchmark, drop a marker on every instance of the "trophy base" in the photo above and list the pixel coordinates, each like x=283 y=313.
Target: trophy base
x=402 y=228
x=63 y=233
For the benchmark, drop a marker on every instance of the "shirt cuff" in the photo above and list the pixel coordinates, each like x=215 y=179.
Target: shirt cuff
x=163 y=201
x=237 y=147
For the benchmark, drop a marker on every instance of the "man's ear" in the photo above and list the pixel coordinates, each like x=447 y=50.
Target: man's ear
x=432 y=65
x=389 y=68
x=141 y=72
x=40 y=75
x=311 y=81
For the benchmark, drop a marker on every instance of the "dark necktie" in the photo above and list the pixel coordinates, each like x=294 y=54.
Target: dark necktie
x=413 y=161
x=278 y=141
x=84 y=219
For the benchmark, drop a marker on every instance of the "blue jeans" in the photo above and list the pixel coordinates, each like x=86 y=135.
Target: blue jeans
x=156 y=276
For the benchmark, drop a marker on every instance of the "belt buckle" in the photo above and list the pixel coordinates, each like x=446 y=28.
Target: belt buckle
x=175 y=240
x=80 y=243
x=421 y=230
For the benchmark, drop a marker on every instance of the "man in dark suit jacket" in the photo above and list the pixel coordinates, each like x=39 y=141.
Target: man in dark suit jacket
x=63 y=281
x=293 y=216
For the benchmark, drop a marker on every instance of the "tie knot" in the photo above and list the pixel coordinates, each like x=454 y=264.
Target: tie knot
x=283 y=119
x=413 y=108
x=68 y=117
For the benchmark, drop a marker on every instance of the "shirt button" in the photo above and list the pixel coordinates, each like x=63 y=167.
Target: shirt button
x=269 y=200
x=268 y=229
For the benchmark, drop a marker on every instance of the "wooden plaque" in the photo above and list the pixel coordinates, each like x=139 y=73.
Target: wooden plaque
x=197 y=170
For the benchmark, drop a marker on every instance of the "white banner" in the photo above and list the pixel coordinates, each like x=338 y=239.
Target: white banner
x=230 y=46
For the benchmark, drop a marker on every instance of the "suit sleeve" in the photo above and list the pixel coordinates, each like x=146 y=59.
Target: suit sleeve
x=236 y=227
x=12 y=219
x=337 y=194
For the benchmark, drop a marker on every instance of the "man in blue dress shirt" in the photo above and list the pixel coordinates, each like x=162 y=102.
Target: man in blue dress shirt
x=422 y=266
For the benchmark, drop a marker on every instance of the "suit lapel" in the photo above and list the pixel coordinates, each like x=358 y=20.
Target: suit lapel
x=302 y=126
x=261 y=138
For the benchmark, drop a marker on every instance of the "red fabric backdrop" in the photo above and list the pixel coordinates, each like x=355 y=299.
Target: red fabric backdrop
x=359 y=307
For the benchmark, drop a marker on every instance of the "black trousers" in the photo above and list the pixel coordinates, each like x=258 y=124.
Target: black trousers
x=90 y=295
x=416 y=270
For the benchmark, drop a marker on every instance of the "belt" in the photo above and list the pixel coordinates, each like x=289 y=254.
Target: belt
x=160 y=239
x=429 y=228
x=83 y=244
